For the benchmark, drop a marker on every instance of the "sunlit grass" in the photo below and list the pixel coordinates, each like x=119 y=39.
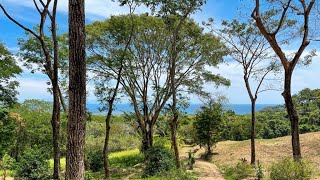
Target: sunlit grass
x=117 y=159
x=62 y=163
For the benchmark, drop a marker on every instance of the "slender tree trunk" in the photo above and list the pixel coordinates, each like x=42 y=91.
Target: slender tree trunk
x=75 y=169
x=253 y=131
x=106 y=146
x=62 y=101
x=173 y=128
x=56 y=133
x=175 y=118
x=293 y=116
x=56 y=97
x=108 y=118
x=209 y=148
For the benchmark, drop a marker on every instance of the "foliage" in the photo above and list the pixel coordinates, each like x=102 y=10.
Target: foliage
x=146 y=62
x=6 y=164
x=158 y=160
x=9 y=70
x=32 y=164
x=36 y=128
x=259 y=171
x=208 y=125
x=94 y=159
x=242 y=170
x=288 y=169
x=7 y=132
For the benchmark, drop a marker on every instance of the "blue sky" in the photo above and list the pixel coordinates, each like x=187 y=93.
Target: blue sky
x=34 y=85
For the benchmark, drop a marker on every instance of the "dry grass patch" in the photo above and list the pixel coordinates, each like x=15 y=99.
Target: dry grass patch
x=268 y=151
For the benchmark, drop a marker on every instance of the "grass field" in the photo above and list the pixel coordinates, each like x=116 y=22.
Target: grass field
x=268 y=151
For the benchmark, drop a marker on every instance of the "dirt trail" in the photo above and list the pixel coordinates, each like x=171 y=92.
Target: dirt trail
x=205 y=170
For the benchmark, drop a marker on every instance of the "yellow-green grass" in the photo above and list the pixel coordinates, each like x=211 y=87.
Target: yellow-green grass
x=115 y=158
x=62 y=163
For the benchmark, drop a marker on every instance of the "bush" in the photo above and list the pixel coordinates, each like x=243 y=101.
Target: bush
x=158 y=160
x=33 y=165
x=95 y=159
x=259 y=171
x=288 y=169
x=6 y=164
x=242 y=170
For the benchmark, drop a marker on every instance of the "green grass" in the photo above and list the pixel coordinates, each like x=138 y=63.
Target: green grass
x=117 y=159
x=62 y=163
x=127 y=158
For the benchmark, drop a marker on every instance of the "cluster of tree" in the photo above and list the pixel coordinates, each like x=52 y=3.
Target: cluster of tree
x=155 y=61
x=212 y=124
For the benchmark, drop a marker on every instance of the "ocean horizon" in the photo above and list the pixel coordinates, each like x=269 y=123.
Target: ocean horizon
x=192 y=109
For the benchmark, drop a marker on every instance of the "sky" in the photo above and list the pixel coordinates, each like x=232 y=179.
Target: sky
x=33 y=86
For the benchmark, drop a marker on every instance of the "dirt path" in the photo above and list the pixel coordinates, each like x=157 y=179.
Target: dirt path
x=205 y=170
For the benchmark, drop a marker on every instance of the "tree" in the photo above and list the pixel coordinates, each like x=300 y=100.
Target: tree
x=50 y=65
x=106 y=93
x=250 y=49
x=9 y=70
x=145 y=77
x=282 y=21
x=7 y=128
x=175 y=15
x=208 y=123
x=77 y=91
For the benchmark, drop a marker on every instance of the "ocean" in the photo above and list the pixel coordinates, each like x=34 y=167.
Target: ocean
x=192 y=109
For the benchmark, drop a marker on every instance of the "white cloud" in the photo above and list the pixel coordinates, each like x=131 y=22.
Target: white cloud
x=32 y=88
x=95 y=9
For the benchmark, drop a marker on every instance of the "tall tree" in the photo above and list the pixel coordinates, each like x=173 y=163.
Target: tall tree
x=77 y=91
x=251 y=50
x=106 y=93
x=50 y=65
x=9 y=70
x=145 y=76
x=278 y=18
x=176 y=14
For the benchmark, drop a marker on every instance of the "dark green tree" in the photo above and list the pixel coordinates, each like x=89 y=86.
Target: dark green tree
x=7 y=132
x=9 y=70
x=208 y=123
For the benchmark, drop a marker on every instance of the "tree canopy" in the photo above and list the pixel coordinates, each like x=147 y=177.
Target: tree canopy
x=9 y=70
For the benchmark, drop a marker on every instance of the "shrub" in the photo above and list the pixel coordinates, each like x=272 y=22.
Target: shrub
x=259 y=171
x=95 y=159
x=158 y=160
x=6 y=164
x=242 y=170
x=288 y=169
x=33 y=165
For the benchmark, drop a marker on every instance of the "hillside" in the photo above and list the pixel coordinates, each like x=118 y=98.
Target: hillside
x=268 y=151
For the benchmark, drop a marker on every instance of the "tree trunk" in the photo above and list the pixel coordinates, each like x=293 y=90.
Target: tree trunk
x=147 y=139
x=106 y=146
x=173 y=127
x=56 y=133
x=253 y=131
x=293 y=116
x=77 y=92
x=56 y=96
